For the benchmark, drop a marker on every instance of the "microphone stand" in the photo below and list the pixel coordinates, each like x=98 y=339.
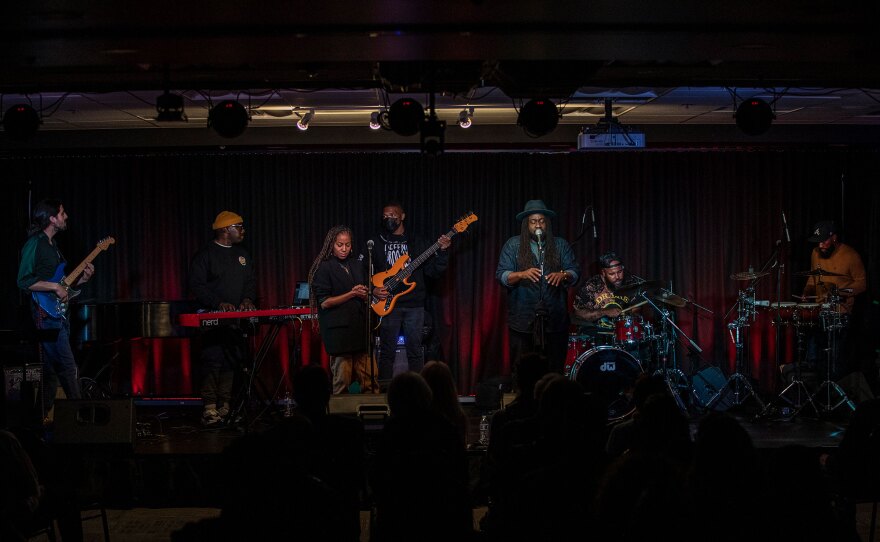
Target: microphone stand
x=541 y=310
x=374 y=384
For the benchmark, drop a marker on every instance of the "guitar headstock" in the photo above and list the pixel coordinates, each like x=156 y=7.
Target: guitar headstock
x=464 y=221
x=105 y=243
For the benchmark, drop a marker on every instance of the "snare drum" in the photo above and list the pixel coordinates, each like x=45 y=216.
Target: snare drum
x=577 y=345
x=629 y=330
x=807 y=314
x=610 y=374
x=785 y=311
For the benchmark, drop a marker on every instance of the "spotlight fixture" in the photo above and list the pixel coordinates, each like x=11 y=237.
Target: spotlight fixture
x=538 y=117
x=374 y=121
x=169 y=108
x=406 y=116
x=228 y=118
x=754 y=116
x=466 y=117
x=20 y=122
x=304 y=120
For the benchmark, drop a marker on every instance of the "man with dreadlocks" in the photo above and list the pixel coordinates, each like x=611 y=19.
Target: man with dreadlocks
x=537 y=268
x=337 y=293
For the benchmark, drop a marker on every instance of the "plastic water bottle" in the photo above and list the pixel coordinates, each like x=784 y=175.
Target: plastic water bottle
x=484 y=430
x=288 y=405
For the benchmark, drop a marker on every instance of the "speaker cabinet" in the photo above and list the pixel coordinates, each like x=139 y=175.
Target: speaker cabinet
x=89 y=421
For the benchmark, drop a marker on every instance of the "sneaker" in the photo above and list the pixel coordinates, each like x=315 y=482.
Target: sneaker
x=210 y=417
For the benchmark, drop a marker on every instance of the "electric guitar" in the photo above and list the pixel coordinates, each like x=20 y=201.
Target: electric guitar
x=396 y=279
x=50 y=302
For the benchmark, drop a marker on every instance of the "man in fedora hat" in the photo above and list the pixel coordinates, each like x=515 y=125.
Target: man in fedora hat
x=537 y=268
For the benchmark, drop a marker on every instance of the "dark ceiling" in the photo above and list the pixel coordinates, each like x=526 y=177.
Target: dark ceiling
x=340 y=51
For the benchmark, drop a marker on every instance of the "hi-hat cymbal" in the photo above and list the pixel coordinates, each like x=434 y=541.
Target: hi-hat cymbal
x=748 y=275
x=818 y=272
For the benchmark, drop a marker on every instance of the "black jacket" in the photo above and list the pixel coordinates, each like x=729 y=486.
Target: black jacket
x=343 y=327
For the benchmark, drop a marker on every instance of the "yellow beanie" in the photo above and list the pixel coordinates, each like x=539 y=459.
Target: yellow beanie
x=226 y=218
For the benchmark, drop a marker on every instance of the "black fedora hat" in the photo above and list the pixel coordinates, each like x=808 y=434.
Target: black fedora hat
x=535 y=206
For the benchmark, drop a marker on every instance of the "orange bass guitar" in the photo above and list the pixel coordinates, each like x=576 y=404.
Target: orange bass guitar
x=396 y=279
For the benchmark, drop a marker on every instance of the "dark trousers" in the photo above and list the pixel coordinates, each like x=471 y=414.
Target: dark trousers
x=555 y=347
x=223 y=350
x=59 y=365
x=409 y=322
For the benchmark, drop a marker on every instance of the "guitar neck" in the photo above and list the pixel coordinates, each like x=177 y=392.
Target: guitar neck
x=71 y=278
x=414 y=264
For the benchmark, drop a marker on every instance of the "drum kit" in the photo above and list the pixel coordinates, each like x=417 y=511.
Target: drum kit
x=608 y=361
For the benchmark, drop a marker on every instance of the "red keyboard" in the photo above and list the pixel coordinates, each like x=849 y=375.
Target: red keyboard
x=209 y=319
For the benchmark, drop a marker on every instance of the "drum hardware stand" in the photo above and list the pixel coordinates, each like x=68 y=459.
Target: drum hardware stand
x=665 y=370
x=738 y=383
x=832 y=330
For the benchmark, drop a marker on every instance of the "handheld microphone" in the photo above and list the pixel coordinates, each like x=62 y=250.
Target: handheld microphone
x=539 y=233
x=593 y=218
x=784 y=223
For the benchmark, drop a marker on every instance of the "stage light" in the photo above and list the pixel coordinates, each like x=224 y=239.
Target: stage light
x=169 y=108
x=538 y=117
x=466 y=117
x=754 y=116
x=303 y=122
x=374 y=120
x=21 y=122
x=406 y=116
x=228 y=118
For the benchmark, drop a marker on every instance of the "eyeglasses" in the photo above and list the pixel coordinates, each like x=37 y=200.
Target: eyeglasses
x=239 y=227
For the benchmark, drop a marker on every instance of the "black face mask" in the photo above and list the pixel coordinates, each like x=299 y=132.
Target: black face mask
x=391 y=224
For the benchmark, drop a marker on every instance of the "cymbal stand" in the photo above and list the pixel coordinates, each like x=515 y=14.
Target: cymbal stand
x=796 y=395
x=737 y=383
x=667 y=346
x=832 y=324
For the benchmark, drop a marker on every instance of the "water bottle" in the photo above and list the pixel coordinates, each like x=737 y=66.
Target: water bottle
x=484 y=430
x=288 y=405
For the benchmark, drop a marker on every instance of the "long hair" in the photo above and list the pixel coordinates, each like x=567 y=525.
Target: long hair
x=43 y=211
x=326 y=252
x=525 y=259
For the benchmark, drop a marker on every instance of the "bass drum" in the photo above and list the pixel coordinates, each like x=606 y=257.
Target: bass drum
x=610 y=374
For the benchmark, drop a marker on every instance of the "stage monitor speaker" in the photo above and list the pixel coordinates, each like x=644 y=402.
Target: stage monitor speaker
x=706 y=384
x=88 y=421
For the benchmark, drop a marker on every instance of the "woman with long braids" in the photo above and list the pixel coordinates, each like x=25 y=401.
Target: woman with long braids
x=338 y=293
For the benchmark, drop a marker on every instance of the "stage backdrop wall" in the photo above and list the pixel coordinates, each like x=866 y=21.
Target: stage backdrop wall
x=688 y=217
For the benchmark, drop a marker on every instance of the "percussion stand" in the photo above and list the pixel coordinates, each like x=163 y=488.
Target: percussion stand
x=832 y=332
x=738 y=383
x=666 y=347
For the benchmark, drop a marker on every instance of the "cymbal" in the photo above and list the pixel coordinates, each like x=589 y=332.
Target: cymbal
x=818 y=272
x=749 y=275
x=631 y=290
x=668 y=298
x=804 y=297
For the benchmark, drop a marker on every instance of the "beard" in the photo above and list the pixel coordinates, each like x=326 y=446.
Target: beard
x=826 y=253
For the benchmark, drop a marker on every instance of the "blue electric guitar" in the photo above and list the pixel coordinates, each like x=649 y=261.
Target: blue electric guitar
x=50 y=302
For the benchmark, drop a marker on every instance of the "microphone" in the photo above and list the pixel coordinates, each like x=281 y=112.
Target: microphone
x=370 y=244
x=593 y=218
x=539 y=233
x=784 y=223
